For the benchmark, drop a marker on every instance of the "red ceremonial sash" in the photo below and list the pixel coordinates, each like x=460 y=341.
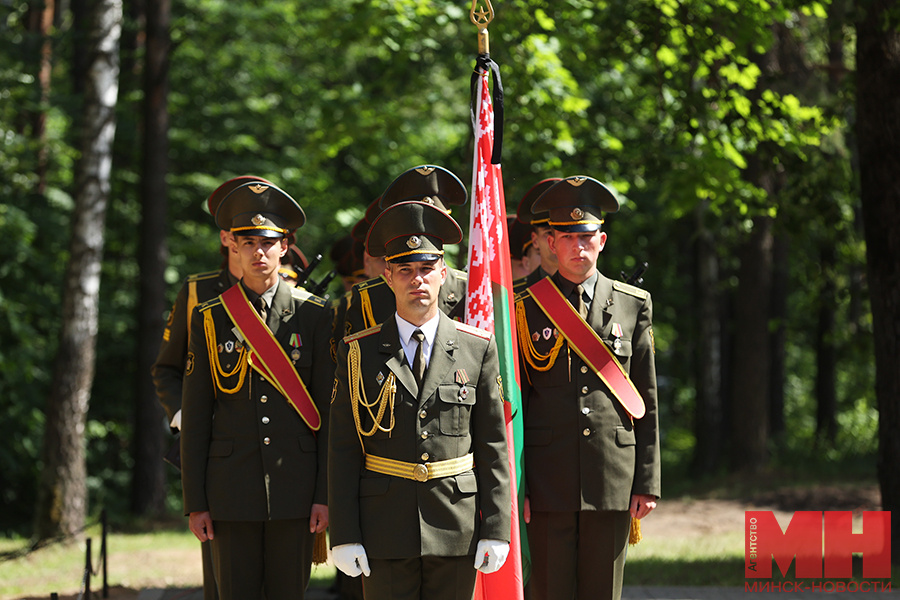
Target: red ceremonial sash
x=587 y=344
x=273 y=363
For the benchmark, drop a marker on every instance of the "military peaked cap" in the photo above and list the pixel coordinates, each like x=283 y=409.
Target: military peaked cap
x=426 y=183
x=412 y=232
x=361 y=229
x=215 y=199
x=519 y=237
x=576 y=204
x=523 y=212
x=257 y=208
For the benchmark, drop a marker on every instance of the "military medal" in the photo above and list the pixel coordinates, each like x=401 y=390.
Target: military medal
x=295 y=354
x=296 y=342
x=229 y=346
x=462 y=377
x=617 y=343
x=463 y=393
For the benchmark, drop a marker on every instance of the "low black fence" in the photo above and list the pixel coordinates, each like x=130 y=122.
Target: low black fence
x=89 y=571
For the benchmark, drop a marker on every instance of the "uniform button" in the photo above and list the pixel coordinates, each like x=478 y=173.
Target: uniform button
x=265 y=420
x=424 y=435
x=585 y=410
x=266 y=441
x=584 y=389
x=586 y=432
x=263 y=399
x=425 y=456
x=584 y=369
x=423 y=414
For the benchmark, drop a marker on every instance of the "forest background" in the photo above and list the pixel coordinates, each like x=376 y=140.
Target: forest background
x=754 y=146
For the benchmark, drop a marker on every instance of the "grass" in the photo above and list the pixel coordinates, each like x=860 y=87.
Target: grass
x=716 y=560
x=161 y=558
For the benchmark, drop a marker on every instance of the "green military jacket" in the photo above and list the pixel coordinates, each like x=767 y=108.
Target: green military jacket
x=372 y=301
x=583 y=451
x=168 y=370
x=460 y=410
x=246 y=454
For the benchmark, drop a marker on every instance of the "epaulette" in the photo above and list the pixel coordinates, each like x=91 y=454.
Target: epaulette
x=521 y=295
x=202 y=276
x=369 y=283
x=461 y=274
x=472 y=330
x=631 y=290
x=520 y=284
x=203 y=306
x=301 y=294
x=362 y=334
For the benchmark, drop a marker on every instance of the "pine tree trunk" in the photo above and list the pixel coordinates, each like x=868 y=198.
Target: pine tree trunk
x=62 y=492
x=750 y=361
x=149 y=482
x=710 y=419
x=878 y=132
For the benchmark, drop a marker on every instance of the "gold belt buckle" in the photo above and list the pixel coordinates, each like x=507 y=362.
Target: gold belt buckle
x=420 y=473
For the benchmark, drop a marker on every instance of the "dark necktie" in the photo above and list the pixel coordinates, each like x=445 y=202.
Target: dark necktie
x=580 y=306
x=261 y=308
x=418 y=366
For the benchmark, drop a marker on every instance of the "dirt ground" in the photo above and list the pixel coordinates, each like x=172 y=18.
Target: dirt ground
x=682 y=518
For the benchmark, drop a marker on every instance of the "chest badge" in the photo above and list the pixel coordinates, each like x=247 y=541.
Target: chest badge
x=547 y=332
x=379 y=378
x=229 y=346
x=617 y=332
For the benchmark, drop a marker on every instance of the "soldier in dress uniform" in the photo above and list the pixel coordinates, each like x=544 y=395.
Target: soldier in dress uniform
x=372 y=301
x=591 y=445
x=418 y=466
x=255 y=408
x=168 y=370
x=540 y=234
x=523 y=255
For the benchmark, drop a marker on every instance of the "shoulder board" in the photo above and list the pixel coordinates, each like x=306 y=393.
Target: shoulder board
x=369 y=283
x=461 y=274
x=202 y=276
x=521 y=295
x=472 y=330
x=209 y=304
x=520 y=283
x=630 y=290
x=301 y=294
x=362 y=334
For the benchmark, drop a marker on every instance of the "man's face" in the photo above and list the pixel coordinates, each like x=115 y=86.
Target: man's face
x=260 y=256
x=373 y=265
x=540 y=239
x=416 y=286
x=577 y=252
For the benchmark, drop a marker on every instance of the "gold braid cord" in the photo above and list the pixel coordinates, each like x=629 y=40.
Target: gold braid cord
x=358 y=396
x=209 y=328
x=528 y=350
x=368 y=315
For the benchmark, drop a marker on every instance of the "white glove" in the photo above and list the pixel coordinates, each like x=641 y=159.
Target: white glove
x=351 y=559
x=176 y=421
x=490 y=555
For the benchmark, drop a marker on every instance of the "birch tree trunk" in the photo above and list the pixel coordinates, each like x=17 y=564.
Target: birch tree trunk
x=62 y=488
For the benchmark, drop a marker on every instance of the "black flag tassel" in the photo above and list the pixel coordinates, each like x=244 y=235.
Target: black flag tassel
x=484 y=63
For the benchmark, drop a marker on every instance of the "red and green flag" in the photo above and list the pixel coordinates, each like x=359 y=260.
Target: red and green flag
x=490 y=306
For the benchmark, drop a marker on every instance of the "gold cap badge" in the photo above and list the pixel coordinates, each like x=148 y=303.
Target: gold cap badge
x=577 y=214
x=258 y=220
x=414 y=242
x=425 y=170
x=576 y=181
x=258 y=188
